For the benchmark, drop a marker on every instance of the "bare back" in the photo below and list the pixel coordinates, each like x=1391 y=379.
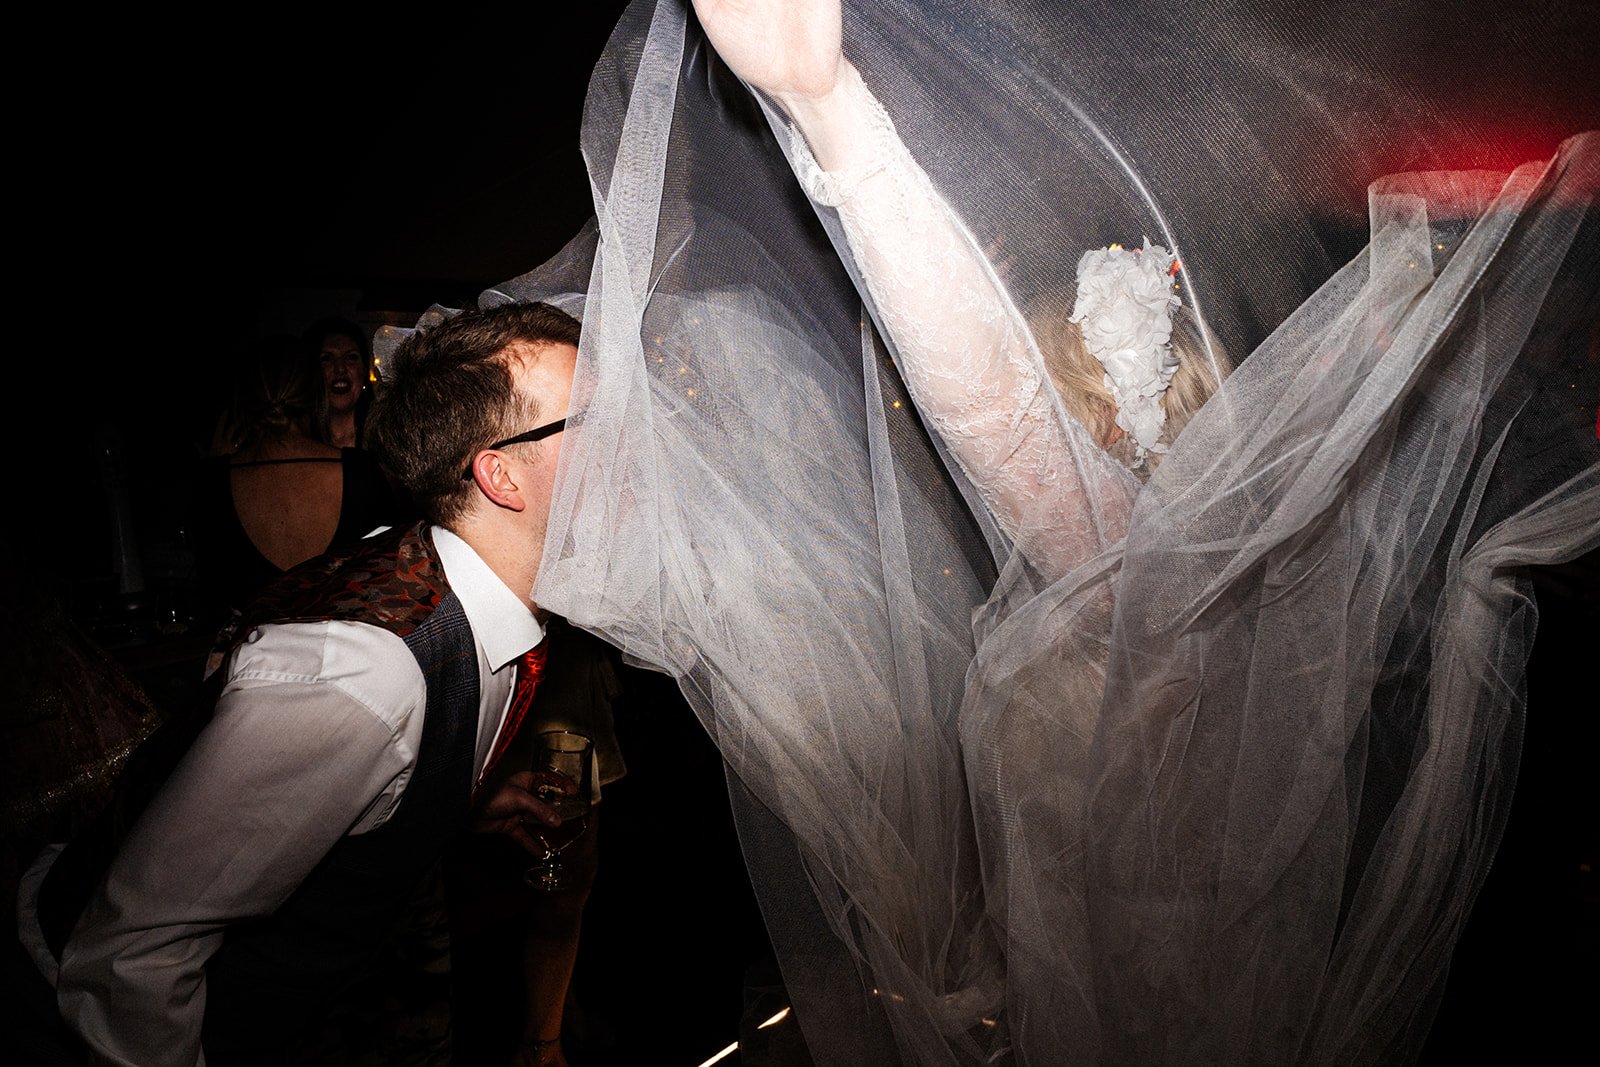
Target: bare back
x=288 y=499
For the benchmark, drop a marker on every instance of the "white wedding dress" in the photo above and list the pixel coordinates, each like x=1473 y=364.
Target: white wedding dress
x=1030 y=760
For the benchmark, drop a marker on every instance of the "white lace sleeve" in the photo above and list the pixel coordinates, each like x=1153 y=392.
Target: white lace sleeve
x=965 y=353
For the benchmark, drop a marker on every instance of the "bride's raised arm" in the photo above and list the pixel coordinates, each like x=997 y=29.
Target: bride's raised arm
x=962 y=347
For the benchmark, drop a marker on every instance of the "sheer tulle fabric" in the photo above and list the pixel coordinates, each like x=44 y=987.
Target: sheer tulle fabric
x=1223 y=788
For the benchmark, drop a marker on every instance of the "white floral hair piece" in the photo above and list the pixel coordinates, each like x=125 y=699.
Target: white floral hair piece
x=1124 y=308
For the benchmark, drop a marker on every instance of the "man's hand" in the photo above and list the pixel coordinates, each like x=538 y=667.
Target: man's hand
x=504 y=811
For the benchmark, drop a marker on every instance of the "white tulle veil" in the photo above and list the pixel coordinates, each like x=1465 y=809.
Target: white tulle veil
x=1225 y=792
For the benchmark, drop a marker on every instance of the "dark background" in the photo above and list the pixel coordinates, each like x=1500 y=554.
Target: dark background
x=198 y=183
x=247 y=176
x=186 y=183
x=195 y=182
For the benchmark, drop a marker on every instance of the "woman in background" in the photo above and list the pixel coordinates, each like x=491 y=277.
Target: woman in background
x=280 y=496
x=346 y=359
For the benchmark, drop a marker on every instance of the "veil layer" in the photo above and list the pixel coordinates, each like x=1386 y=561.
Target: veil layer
x=1226 y=791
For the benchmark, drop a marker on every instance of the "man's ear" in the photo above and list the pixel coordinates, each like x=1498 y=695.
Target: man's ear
x=493 y=474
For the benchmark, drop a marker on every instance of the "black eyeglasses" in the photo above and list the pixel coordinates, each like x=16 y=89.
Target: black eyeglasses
x=538 y=433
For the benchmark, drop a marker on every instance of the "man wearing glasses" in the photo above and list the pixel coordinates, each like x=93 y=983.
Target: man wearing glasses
x=361 y=703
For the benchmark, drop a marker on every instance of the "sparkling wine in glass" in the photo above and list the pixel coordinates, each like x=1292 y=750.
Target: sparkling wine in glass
x=570 y=755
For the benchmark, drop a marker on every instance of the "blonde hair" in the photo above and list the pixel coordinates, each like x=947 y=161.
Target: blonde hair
x=1080 y=379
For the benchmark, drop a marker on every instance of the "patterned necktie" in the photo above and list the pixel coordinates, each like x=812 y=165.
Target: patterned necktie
x=529 y=668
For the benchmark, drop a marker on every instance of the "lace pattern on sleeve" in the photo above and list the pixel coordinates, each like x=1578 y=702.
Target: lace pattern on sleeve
x=964 y=351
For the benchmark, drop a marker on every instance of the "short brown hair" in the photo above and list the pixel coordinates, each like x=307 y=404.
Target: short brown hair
x=448 y=393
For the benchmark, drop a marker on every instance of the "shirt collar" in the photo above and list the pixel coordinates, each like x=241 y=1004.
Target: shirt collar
x=501 y=620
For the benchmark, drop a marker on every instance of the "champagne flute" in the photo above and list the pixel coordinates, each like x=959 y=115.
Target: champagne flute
x=570 y=755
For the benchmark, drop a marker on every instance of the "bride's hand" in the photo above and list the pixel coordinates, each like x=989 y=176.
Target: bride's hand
x=789 y=49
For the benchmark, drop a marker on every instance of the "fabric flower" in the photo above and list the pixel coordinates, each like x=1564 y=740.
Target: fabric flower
x=1124 y=309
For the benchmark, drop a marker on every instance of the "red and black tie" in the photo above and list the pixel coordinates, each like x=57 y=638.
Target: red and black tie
x=529 y=668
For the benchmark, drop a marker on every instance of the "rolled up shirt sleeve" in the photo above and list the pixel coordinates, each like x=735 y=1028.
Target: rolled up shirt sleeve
x=313 y=738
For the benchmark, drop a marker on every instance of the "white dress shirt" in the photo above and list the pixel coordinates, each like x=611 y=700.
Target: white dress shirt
x=314 y=737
